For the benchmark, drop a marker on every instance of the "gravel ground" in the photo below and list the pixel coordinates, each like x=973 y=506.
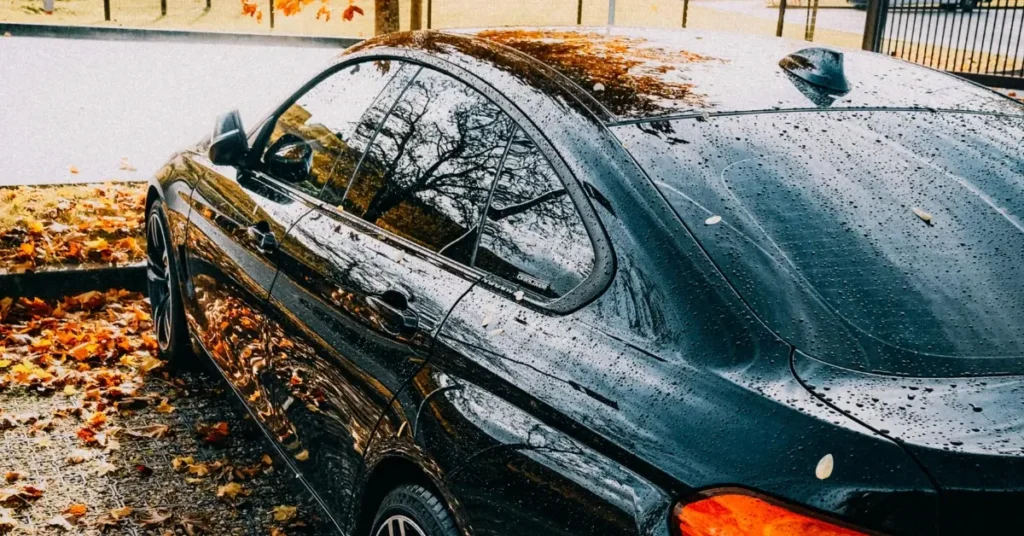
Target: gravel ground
x=145 y=479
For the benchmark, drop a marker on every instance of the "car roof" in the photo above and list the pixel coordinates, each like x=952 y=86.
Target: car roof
x=628 y=74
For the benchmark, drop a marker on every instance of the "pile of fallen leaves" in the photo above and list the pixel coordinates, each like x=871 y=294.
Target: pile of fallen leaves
x=55 y=225
x=96 y=348
x=94 y=356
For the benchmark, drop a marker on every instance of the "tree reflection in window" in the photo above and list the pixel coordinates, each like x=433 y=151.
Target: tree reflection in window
x=533 y=235
x=327 y=117
x=431 y=166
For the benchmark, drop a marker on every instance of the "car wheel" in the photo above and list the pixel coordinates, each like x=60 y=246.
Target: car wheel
x=164 y=291
x=968 y=6
x=413 y=510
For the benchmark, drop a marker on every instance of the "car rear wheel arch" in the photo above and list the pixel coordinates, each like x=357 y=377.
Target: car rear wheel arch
x=387 y=474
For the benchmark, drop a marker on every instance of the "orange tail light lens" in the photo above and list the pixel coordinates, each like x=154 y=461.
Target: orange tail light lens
x=736 y=514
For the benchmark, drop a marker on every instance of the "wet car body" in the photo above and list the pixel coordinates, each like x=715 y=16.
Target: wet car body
x=371 y=361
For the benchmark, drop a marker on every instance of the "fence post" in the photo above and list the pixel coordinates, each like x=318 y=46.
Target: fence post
x=579 y=12
x=106 y=9
x=430 y=12
x=163 y=8
x=810 y=21
x=207 y=4
x=271 y=14
x=782 y=18
x=686 y=8
x=874 y=25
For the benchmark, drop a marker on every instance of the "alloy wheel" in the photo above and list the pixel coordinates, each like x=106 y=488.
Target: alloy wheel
x=158 y=275
x=399 y=525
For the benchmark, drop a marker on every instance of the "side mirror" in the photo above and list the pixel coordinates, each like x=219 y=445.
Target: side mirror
x=228 y=146
x=289 y=159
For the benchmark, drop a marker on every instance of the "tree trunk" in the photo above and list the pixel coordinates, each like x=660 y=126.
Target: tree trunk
x=416 y=15
x=385 y=15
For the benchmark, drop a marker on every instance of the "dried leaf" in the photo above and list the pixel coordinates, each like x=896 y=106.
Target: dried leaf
x=153 y=431
x=105 y=468
x=350 y=12
x=193 y=524
x=164 y=407
x=284 y=513
x=302 y=456
x=77 y=456
x=60 y=522
x=76 y=510
x=121 y=513
x=155 y=516
x=213 y=433
x=824 y=468
x=231 y=490
x=925 y=217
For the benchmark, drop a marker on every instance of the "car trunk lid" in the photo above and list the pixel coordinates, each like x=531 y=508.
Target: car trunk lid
x=967 y=433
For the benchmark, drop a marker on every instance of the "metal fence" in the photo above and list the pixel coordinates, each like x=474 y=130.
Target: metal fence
x=979 y=40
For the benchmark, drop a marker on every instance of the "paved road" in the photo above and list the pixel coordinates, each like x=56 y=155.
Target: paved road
x=88 y=103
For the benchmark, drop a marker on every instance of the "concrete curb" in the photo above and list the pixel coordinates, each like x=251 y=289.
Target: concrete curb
x=21 y=29
x=55 y=284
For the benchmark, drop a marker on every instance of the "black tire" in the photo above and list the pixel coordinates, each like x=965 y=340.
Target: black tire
x=418 y=505
x=164 y=289
x=968 y=6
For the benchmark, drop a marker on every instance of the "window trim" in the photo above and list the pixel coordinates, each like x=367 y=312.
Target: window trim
x=604 y=260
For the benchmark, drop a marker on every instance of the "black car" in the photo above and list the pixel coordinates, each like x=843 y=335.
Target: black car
x=611 y=281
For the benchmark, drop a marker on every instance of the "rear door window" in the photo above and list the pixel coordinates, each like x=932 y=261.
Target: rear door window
x=532 y=234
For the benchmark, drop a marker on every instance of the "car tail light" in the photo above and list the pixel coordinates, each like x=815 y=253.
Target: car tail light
x=736 y=513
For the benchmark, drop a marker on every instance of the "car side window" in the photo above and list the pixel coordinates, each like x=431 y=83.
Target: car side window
x=316 y=140
x=428 y=174
x=532 y=234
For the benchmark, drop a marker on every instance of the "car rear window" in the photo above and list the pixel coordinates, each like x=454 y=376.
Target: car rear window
x=883 y=241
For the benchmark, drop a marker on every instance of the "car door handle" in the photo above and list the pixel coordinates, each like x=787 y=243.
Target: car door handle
x=265 y=240
x=393 y=309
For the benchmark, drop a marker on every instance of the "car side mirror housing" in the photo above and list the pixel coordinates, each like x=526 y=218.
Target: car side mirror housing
x=228 y=146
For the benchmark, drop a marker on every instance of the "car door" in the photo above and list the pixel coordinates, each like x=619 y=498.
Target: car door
x=517 y=335
x=368 y=276
x=240 y=215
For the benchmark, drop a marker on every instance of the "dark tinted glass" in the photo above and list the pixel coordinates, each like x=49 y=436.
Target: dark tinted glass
x=430 y=169
x=877 y=240
x=321 y=128
x=533 y=235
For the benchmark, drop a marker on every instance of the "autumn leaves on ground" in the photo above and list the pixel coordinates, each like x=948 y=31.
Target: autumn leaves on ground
x=46 y=227
x=96 y=435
